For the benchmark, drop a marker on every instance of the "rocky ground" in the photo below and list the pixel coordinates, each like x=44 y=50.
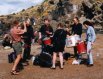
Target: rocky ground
x=69 y=72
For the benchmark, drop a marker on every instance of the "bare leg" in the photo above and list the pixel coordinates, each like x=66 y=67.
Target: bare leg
x=17 y=60
x=54 y=59
x=61 y=59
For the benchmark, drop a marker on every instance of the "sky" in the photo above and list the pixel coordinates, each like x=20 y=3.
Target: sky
x=13 y=6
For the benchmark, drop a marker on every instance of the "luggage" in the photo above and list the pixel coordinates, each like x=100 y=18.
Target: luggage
x=44 y=60
x=11 y=57
x=66 y=56
x=81 y=47
x=72 y=41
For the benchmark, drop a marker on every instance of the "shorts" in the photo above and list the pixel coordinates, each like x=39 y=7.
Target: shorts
x=58 y=48
x=17 y=48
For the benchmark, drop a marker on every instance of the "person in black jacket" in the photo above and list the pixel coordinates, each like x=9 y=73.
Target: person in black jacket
x=45 y=31
x=59 y=44
x=28 y=37
x=76 y=30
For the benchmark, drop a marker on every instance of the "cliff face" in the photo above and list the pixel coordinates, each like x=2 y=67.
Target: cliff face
x=51 y=9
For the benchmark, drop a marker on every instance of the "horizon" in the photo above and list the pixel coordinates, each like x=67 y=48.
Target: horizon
x=14 y=6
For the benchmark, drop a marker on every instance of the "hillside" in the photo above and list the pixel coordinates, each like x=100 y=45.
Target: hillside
x=47 y=9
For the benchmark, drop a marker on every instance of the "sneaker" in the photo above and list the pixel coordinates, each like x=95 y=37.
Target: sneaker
x=53 y=67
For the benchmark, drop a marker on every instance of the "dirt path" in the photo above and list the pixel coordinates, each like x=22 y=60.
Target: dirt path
x=69 y=72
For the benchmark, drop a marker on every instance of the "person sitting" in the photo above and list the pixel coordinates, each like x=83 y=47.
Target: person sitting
x=7 y=43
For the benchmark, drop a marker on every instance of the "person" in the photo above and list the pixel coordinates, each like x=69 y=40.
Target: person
x=67 y=28
x=45 y=31
x=28 y=38
x=76 y=30
x=7 y=43
x=58 y=45
x=90 y=39
x=32 y=19
x=16 y=33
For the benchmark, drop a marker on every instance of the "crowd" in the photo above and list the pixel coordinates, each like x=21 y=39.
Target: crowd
x=52 y=42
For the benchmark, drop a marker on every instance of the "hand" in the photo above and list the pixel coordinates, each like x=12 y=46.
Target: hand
x=47 y=32
x=92 y=43
x=68 y=35
x=33 y=41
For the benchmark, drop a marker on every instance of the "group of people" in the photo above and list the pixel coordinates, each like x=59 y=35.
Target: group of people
x=60 y=35
x=58 y=40
x=21 y=33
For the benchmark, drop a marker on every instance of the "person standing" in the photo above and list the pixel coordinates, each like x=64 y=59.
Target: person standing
x=58 y=45
x=90 y=39
x=76 y=30
x=28 y=38
x=45 y=31
x=16 y=33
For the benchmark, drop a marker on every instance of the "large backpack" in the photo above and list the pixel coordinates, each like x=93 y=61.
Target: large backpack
x=44 y=60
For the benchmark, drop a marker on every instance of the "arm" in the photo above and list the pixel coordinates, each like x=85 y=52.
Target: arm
x=5 y=36
x=72 y=30
x=80 y=29
x=40 y=30
x=50 y=32
x=93 y=35
x=39 y=35
x=32 y=33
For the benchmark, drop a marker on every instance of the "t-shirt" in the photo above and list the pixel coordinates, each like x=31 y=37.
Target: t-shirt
x=29 y=35
x=45 y=28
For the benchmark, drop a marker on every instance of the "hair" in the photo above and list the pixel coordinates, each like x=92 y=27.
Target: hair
x=15 y=22
x=46 y=19
x=28 y=19
x=60 y=25
x=76 y=18
x=87 y=23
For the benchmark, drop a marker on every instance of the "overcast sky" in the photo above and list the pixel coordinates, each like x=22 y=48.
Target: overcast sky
x=11 y=6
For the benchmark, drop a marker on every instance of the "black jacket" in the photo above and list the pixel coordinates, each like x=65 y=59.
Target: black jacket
x=77 y=29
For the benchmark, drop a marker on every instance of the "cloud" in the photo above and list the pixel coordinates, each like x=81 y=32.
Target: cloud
x=13 y=6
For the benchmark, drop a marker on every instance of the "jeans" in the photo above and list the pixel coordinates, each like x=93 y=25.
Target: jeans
x=89 y=53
